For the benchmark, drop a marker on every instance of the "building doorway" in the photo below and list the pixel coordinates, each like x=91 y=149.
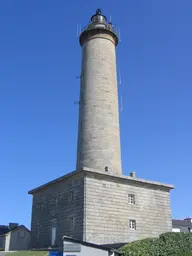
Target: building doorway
x=53 y=232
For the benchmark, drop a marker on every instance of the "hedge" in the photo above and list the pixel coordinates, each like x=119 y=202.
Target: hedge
x=167 y=244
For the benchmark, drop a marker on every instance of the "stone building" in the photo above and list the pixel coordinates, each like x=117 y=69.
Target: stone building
x=96 y=203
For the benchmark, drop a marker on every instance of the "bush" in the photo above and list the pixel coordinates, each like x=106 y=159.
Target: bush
x=167 y=244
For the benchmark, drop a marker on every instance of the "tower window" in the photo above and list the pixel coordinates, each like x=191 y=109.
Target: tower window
x=81 y=125
x=132 y=224
x=131 y=199
x=106 y=168
x=82 y=96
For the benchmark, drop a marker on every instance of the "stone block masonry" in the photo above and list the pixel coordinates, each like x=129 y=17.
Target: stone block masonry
x=61 y=203
x=99 y=206
x=109 y=212
x=98 y=133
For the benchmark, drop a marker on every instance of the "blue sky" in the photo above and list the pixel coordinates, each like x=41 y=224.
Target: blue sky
x=39 y=60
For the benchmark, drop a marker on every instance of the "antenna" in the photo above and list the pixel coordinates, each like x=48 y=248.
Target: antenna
x=77 y=34
x=78 y=30
x=119 y=77
x=110 y=19
x=81 y=75
x=121 y=103
x=121 y=97
x=119 y=36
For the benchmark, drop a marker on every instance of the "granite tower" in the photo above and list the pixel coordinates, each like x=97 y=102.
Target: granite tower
x=99 y=135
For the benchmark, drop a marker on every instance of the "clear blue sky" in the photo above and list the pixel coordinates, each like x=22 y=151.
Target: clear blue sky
x=39 y=60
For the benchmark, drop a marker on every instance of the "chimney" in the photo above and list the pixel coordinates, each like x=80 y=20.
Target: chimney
x=13 y=225
x=132 y=174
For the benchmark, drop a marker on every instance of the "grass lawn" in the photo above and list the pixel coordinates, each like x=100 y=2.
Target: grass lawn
x=28 y=253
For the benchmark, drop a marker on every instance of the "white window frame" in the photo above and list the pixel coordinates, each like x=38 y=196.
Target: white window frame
x=131 y=198
x=132 y=224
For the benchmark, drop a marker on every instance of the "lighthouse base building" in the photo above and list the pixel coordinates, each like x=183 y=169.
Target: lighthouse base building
x=96 y=203
x=98 y=207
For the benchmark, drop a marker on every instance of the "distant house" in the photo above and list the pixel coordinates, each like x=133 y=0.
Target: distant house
x=182 y=225
x=14 y=237
x=3 y=229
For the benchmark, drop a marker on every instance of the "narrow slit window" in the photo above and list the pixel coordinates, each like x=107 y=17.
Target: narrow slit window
x=71 y=222
x=81 y=125
x=71 y=196
x=82 y=96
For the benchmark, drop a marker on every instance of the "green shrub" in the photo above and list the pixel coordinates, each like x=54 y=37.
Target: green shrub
x=167 y=244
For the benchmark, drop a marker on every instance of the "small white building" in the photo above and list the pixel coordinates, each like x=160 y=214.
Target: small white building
x=80 y=248
x=18 y=238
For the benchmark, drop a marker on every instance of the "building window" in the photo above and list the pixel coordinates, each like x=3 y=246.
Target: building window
x=131 y=199
x=40 y=206
x=71 y=196
x=38 y=229
x=132 y=224
x=71 y=222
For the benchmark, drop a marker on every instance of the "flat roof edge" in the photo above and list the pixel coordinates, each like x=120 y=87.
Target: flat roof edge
x=137 y=180
x=32 y=191
x=90 y=170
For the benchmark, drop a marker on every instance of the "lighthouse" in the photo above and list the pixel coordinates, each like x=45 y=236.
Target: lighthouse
x=96 y=203
x=98 y=130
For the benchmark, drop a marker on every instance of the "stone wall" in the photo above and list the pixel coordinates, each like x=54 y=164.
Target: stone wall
x=98 y=132
x=55 y=203
x=108 y=211
x=100 y=209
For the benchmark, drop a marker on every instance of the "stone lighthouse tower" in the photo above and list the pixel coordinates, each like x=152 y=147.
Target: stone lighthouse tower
x=98 y=133
x=96 y=203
